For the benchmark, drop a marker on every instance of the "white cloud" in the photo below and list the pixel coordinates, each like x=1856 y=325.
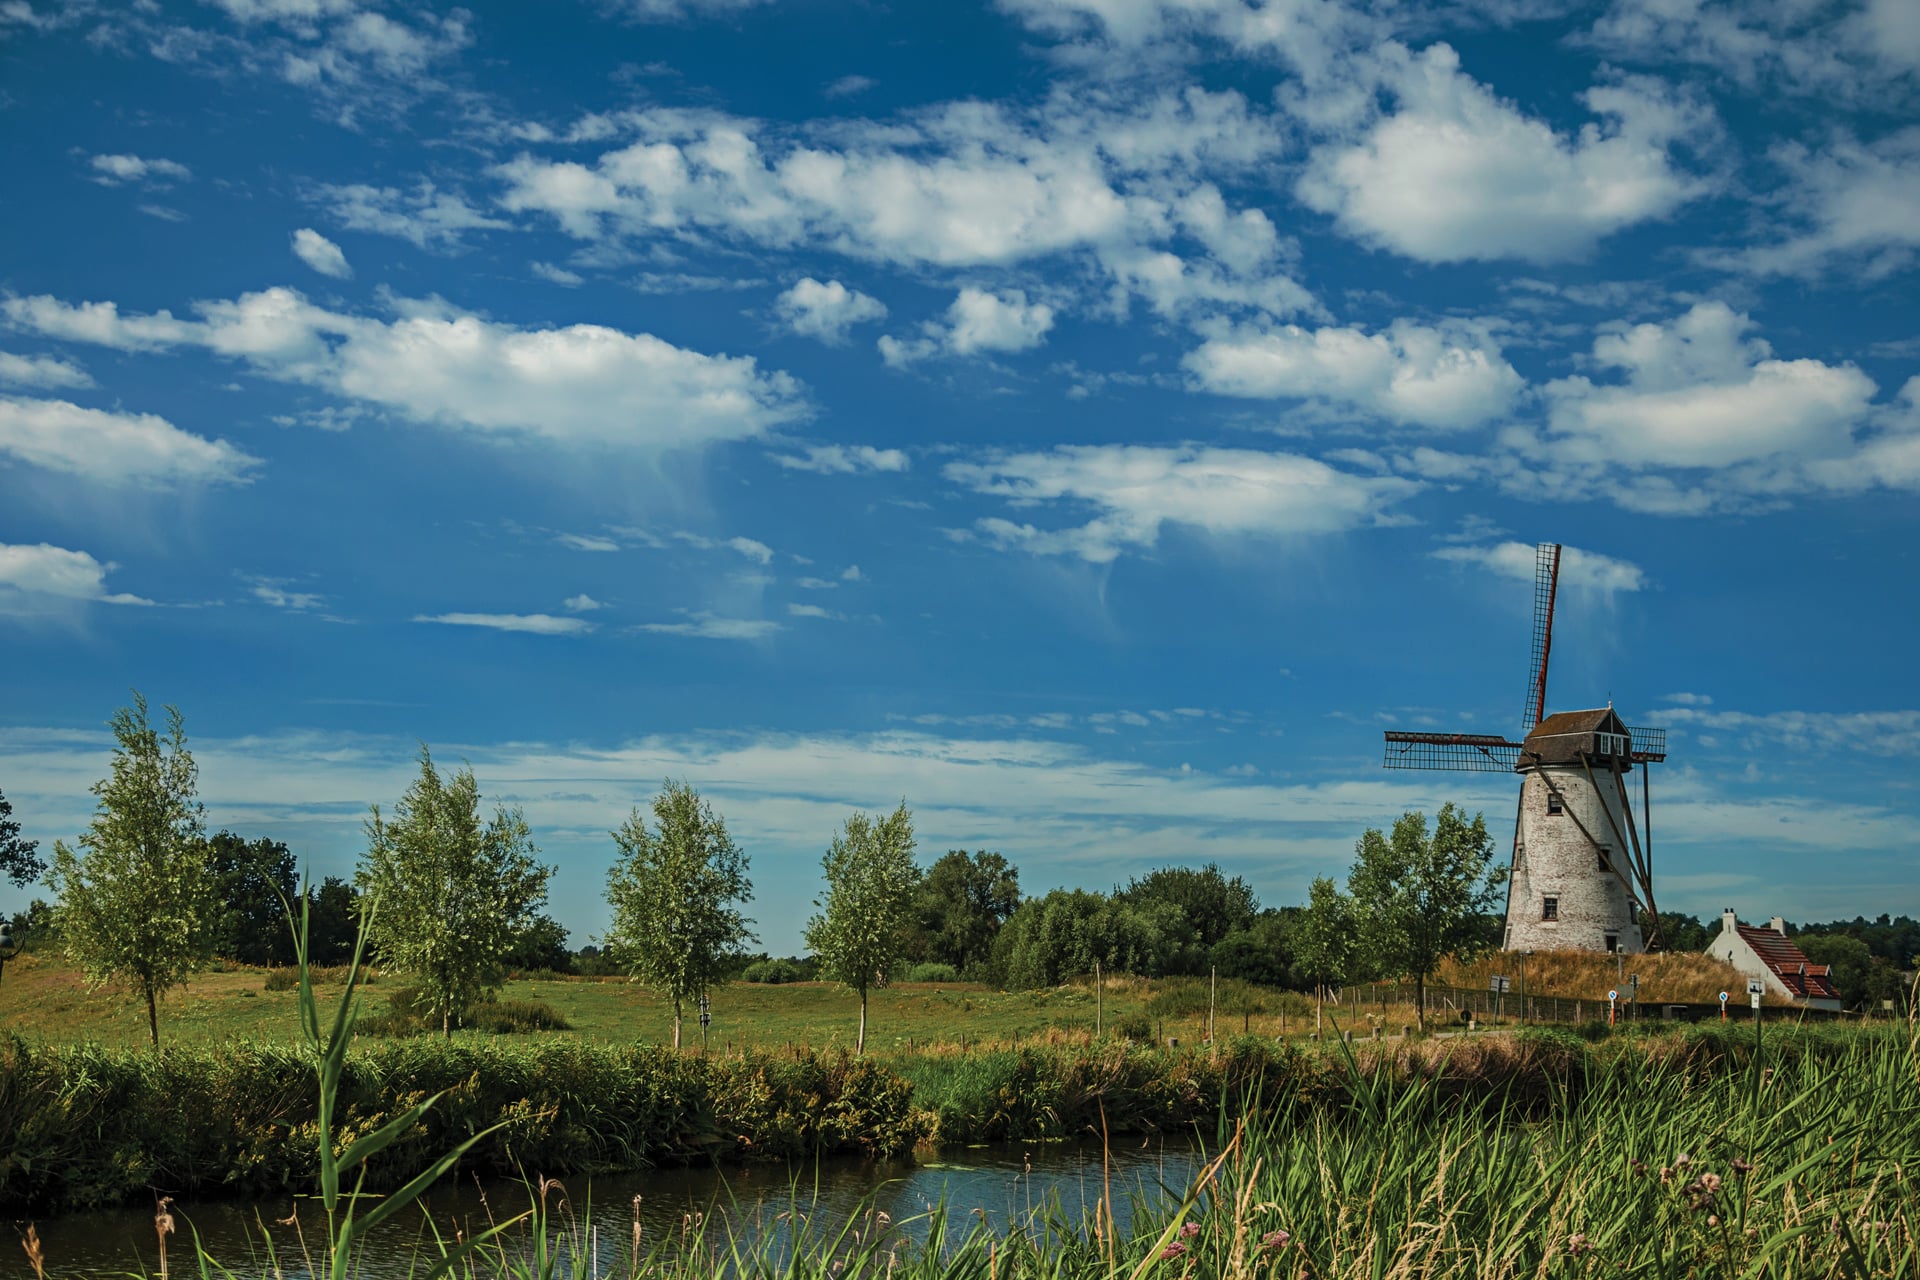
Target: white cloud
x=1135 y=490
x=752 y=549
x=1698 y=393
x=41 y=371
x=45 y=579
x=539 y=624
x=117 y=169
x=115 y=448
x=1579 y=570
x=708 y=626
x=853 y=574
x=838 y=459
x=582 y=385
x=582 y=603
x=810 y=611
x=1448 y=376
x=320 y=253
x=826 y=311
x=1879 y=732
x=1114 y=181
x=586 y=542
x=848 y=86
x=424 y=215
x=1687 y=699
x=1456 y=175
x=1845 y=52
x=677 y=10
x=557 y=275
x=977 y=321
x=1844 y=201
x=272 y=591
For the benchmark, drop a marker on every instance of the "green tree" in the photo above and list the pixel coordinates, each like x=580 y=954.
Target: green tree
x=1862 y=979
x=862 y=926
x=964 y=900
x=333 y=922
x=1262 y=952
x=1419 y=898
x=442 y=896
x=540 y=946
x=1324 y=941
x=253 y=881
x=1213 y=905
x=1061 y=936
x=133 y=904
x=18 y=860
x=671 y=891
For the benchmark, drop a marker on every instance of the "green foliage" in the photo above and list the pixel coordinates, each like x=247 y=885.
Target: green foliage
x=134 y=904
x=253 y=881
x=1419 y=898
x=964 y=899
x=1677 y=931
x=1262 y=953
x=930 y=971
x=540 y=947
x=1862 y=978
x=1061 y=935
x=333 y=921
x=776 y=972
x=453 y=894
x=671 y=890
x=1212 y=905
x=1324 y=938
x=862 y=925
x=18 y=860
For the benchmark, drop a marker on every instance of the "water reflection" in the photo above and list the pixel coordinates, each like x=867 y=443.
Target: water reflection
x=999 y=1184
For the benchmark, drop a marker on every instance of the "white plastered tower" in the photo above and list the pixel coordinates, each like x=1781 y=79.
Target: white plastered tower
x=1572 y=858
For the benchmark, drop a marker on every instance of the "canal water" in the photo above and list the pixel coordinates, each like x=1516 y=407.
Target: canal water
x=1001 y=1185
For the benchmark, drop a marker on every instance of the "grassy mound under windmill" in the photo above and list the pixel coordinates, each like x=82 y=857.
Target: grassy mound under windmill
x=1678 y=977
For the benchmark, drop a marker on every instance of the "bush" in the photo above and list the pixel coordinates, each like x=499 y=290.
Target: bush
x=775 y=972
x=931 y=971
x=404 y=1017
x=1136 y=1027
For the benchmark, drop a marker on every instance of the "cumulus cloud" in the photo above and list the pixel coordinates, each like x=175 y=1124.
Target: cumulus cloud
x=1135 y=490
x=1448 y=376
x=1698 y=392
x=1845 y=202
x=1580 y=570
x=826 y=311
x=581 y=385
x=43 y=579
x=842 y=459
x=115 y=170
x=115 y=448
x=423 y=215
x=273 y=591
x=539 y=624
x=1841 y=52
x=1454 y=174
x=41 y=371
x=582 y=603
x=977 y=321
x=320 y=253
x=1114 y=182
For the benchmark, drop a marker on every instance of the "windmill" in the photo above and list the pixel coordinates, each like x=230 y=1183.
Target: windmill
x=1582 y=870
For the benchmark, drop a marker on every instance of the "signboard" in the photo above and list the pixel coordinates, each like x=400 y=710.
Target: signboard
x=1755 y=987
x=1753 y=998
x=1499 y=984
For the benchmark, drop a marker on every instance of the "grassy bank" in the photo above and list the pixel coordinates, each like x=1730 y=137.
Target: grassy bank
x=88 y=1126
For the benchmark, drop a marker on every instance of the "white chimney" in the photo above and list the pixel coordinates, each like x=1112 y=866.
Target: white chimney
x=1778 y=925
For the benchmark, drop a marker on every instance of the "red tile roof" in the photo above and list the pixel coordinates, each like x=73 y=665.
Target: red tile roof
x=1801 y=976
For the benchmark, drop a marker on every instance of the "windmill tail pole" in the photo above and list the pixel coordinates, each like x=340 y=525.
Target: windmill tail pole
x=1546 y=590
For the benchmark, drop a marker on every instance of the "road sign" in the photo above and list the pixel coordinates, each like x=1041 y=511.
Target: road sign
x=1753 y=998
x=1723 y=997
x=1613 y=995
x=1500 y=984
x=1755 y=987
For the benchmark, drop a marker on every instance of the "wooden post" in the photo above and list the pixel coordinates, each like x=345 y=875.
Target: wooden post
x=1099 y=994
x=1213 y=975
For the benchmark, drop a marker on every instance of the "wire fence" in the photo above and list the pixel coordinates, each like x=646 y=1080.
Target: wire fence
x=1456 y=1004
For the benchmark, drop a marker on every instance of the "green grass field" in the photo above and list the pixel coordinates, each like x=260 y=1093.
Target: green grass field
x=43 y=999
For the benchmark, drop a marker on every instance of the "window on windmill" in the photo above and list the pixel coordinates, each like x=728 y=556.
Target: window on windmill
x=1613 y=942
x=1549 y=908
x=1606 y=863
x=1555 y=802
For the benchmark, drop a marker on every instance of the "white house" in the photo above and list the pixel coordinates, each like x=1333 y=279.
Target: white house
x=1766 y=954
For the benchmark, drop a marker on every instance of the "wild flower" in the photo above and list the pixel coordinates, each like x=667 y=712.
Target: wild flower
x=1577 y=1244
x=1176 y=1249
x=1713 y=1219
x=1710 y=1181
x=1274 y=1241
x=1189 y=1229
x=1741 y=1168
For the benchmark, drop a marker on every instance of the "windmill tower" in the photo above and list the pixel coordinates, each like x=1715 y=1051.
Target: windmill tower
x=1582 y=871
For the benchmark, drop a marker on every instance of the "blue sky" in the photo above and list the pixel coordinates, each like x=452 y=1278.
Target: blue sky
x=1093 y=421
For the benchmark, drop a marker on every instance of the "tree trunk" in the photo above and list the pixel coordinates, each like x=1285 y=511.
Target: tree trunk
x=676 y=1026
x=446 y=1023
x=1319 y=994
x=153 y=1017
x=861 y=1045
x=1420 y=1000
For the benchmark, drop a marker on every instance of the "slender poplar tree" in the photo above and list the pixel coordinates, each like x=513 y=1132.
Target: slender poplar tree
x=864 y=917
